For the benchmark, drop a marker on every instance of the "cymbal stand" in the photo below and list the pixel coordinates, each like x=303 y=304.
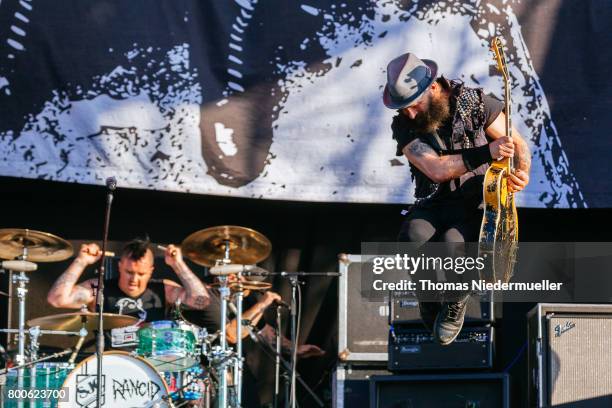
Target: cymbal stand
x=22 y=280
x=239 y=360
x=223 y=352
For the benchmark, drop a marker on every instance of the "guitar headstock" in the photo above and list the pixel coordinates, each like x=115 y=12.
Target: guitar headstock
x=500 y=58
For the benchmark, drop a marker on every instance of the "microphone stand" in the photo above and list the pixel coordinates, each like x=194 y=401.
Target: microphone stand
x=294 y=283
x=277 y=359
x=111 y=184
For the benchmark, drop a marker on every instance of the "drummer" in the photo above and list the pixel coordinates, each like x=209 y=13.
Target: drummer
x=134 y=292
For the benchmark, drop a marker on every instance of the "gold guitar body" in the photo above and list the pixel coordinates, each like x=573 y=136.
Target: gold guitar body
x=499 y=229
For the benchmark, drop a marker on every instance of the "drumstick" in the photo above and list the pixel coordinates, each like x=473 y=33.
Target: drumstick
x=165 y=248
x=107 y=253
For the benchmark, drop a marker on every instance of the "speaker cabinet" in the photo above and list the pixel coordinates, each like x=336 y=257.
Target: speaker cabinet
x=351 y=385
x=363 y=322
x=570 y=355
x=440 y=391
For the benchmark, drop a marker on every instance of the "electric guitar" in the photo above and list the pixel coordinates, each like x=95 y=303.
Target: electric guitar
x=498 y=242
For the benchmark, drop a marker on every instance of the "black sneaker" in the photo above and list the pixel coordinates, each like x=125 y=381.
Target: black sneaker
x=429 y=312
x=450 y=321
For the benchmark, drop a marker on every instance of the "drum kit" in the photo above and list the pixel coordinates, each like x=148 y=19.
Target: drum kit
x=172 y=363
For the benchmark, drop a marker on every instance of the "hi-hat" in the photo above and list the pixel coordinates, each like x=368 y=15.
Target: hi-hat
x=36 y=245
x=207 y=246
x=74 y=321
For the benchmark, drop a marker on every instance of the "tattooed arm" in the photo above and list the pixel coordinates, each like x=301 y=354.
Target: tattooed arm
x=447 y=167
x=253 y=314
x=437 y=168
x=522 y=155
x=193 y=293
x=65 y=292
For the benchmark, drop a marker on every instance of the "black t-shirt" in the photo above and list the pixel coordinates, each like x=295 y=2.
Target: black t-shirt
x=470 y=192
x=492 y=108
x=148 y=307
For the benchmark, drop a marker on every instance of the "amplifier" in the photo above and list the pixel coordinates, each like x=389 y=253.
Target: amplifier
x=569 y=355
x=363 y=321
x=440 y=391
x=417 y=349
x=404 y=308
x=351 y=385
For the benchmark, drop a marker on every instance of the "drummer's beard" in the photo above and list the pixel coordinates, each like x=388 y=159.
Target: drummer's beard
x=435 y=116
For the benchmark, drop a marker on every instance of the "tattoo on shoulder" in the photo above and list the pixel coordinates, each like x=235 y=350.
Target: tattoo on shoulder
x=418 y=148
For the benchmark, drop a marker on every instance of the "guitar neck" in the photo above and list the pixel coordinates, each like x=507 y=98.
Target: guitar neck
x=502 y=66
x=508 y=103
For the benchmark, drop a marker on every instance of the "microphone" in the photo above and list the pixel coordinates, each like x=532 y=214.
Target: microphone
x=230 y=269
x=111 y=183
x=19 y=266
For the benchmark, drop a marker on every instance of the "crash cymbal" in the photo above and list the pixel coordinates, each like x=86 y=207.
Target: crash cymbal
x=74 y=321
x=207 y=246
x=40 y=246
x=247 y=285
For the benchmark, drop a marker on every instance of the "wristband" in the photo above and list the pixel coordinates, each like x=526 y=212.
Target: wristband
x=476 y=156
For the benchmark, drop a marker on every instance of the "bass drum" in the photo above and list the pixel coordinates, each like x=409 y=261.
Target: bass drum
x=127 y=381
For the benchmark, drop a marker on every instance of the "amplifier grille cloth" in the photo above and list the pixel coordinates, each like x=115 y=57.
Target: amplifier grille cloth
x=580 y=359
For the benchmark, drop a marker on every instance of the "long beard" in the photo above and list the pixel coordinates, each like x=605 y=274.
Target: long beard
x=436 y=115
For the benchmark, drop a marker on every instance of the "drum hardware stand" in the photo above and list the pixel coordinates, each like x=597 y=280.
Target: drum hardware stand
x=111 y=184
x=223 y=354
x=21 y=280
x=239 y=359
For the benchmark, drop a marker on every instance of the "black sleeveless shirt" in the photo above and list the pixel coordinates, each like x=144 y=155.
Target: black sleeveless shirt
x=150 y=306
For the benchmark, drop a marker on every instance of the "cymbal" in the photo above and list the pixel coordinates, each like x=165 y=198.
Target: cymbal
x=248 y=285
x=207 y=246
x=74 y=321
x=40 y=246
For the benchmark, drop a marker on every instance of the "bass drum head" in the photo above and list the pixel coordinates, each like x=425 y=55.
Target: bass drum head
x=127 y=381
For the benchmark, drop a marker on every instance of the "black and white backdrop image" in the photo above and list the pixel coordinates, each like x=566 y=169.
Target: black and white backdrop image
x=282 y=100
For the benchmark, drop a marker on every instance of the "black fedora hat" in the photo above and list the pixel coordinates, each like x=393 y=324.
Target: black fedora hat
x=408 y=77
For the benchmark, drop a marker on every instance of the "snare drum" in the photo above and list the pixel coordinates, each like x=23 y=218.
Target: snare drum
x=170 y=345
x=127 y=381
x=43 y=381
